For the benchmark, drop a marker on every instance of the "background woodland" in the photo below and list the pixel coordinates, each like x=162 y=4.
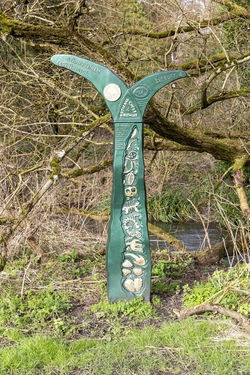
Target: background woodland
x=56 y=133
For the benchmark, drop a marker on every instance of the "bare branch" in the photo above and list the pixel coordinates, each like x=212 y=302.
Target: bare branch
x=243 y=321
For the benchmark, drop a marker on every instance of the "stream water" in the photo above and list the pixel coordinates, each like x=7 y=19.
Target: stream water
x=192 y=234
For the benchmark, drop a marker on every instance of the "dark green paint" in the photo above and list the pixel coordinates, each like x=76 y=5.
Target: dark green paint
x=128 y=251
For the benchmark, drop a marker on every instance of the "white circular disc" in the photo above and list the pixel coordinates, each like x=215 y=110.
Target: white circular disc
x=112 y=92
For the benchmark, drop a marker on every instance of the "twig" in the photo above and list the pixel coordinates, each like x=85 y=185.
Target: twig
x=23 y=282
x=56 y=285
x=203 y=224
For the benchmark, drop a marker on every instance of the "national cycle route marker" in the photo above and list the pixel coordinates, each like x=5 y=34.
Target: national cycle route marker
x=128 y=259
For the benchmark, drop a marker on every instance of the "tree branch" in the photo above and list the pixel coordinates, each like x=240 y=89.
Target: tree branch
x=218 y=98
x=59 y=36
x=225 y=65
x=90 y=170
x=204 y=307
x=220 y=149
x=234 y=8
x=238 y=177
x=218 y=63
x=180 y=30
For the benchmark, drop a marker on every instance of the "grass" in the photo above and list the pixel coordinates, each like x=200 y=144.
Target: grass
x=170 y=207
x=55 y=321
x=182 y=347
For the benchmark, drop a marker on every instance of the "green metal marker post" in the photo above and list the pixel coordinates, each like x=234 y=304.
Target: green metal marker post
x=128 y=250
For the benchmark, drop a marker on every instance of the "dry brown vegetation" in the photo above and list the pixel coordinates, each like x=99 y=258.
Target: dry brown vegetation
x=56 y=133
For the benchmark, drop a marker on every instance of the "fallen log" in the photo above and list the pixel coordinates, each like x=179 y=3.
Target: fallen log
x=102 y=217
x=214 y=254
x=208 y=256
x=171 y=240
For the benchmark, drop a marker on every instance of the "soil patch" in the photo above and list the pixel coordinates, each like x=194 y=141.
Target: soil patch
x=91 y=325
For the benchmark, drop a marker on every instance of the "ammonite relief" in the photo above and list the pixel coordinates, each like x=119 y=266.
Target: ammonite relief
x=134 y=261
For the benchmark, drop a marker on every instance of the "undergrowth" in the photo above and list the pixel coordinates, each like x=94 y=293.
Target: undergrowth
x=205 y=191
x=229 y=288
x=39 y=297
x=43 y=334
x=166 y=274
x=135 y=309
x=35 y=310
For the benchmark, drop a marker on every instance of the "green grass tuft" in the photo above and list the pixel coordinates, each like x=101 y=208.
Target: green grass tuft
x=191 y=346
